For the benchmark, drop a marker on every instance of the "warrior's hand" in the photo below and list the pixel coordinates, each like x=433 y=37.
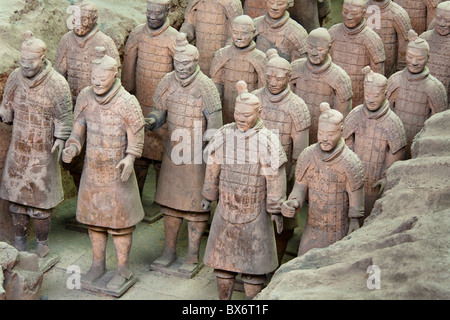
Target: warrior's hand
x=206 y=204
x=59 y=144
x=68 y=153
x=128 y=165
x=289 y=207
x=382 y=184
x=149 y=123
x=278 y=219
x=354 y=225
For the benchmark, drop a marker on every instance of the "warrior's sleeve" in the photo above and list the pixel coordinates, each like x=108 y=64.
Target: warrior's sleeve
x=301 y=121
x=300 y=188
x=431 y=10
x=212 y=104
x=6 y=109
x=221 y=57
x=437 y=95
x=159 y=112
x=394 y=82
x=375 y=48
x=342 y=85
x=61 y=55
x=355 y=184
x=62 y=101
x=395 y=132
x=132 y=115
x=350 y=125
x=78 y=134
x=190 y=16
x=213 y=165
x=298 y=36
x=130 y=59
x=402 y=24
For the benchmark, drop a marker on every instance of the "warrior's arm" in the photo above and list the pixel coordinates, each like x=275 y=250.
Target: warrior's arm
x=129 y=64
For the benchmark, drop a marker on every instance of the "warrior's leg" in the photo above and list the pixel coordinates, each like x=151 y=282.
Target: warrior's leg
x=195 y=232
x=122 y=244
x=141 y=169
x=172 y=226
x=42 y=229
x=253 y=284
x=20 y=222
x=99 y=239
x=225 y=283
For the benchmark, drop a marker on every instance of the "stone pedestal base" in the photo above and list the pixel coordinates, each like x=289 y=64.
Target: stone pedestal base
x=178 y=268
x=100 y=285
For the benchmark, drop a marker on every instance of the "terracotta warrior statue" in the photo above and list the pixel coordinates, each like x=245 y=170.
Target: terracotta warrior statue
x=190 y=104
x=37 y=102
x=354 y=46
x=439 y=42
x=376 y=135
x=334 y=210
x=239 y=61
x=421 y=12
x=414 y=93
x=393 y=26
x=208 y=22
x=109 y=120
x=318 y=79
x=147 y=59
x=277 y=30
x=247 y=178
x=310 y=13
x=73 y=58
x=286 y=114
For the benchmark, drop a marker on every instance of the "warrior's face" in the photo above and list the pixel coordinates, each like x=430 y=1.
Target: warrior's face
x=242 y=35
x=156 y=15
x=442 y=24
x=102 y=79
x=352 y=13
x=328 y=135
x=416 y=59
x=185 y=65
x=277 y=79
x=317 y=50
x=246 y=116
x=277 y=8
x=374 y=96
x=31 y=63
x=85 y=24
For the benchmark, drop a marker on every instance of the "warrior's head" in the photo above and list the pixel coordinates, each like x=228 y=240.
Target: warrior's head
x=277 y=8
x=32 y=55
x=185 y=60
x=104 y=71
x=375 y=85
x=278 y=72
x=353 y=12
x=417 y=53
x=85 y=19
x=157 y=12
x=243 y=31
x=247 y=108
x=442 y=23
x=330 y=127
x=318 y=45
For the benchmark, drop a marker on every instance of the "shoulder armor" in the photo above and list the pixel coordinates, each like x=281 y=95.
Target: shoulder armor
x=352 y=121
x=297 y=34
x=298 y=68
x=299 y=113
x=221 y=57
x=374 y=45
x=395 y=132
x=82 y=101
x=210 y=94
x=354 y=169
x=131 y=112
x=437 y=94
x=401 y=19
x=340 y=81
x=273 y=151
x=394 y=82
x=304 y=161
x=233 y=8
x=161 y=90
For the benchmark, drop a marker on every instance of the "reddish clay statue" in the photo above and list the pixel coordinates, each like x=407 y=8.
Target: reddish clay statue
x=318 y=79
x=421 y=12
x=190 y=104
x=255 y=8
x=354 y=46
x=376 y=135
x=439 y=42
x=392 y=24
x=287 y=115
x=148 y=58
x=73 y=58
x=277 y=30
x=248 y=180
x=37 y=101
x=209 y=23
x=110 y=121
x=239 y=61
x=310 y=13
x=332 y=177
x=414 y=93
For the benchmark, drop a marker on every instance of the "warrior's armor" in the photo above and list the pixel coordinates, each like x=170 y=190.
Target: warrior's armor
x=352 y=50
x=414 y=98
x=74 y=55
x=394 y=26
x=284 y=34
x=372 y=135
x=335 y=184
x=255 y=8
x=248 y=191
x=421 y=12
x=231 y=64
x=41 y=111
x=148 y=58
x=112 y=126
x=209 y=23
x=316 y=84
